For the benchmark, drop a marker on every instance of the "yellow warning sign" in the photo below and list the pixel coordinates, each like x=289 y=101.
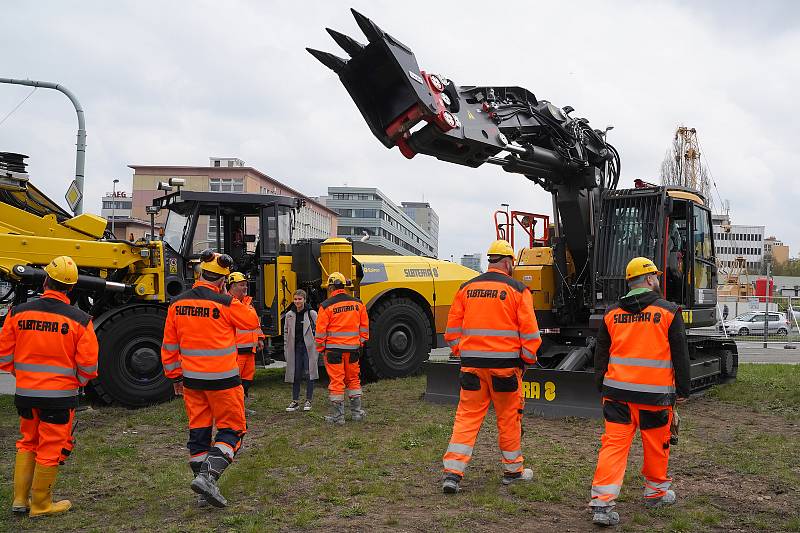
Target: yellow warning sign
x=73 y=195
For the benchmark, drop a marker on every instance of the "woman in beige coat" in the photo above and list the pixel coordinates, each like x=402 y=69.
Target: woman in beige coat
x=300 y=350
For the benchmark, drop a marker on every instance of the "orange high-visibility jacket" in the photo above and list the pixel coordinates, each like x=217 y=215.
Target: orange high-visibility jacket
x=51 y=347
x=342 y=323
x=641 y=355
x=199 y=343
x=491 y=323
x=247 y=339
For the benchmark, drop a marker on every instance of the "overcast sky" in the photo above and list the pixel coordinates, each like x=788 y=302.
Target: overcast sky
x=172 y=83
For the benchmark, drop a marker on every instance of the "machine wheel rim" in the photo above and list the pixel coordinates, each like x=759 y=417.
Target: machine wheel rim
x=142 y=360
x=400 y=344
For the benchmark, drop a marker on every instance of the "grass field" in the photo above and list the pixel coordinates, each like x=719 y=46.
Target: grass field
x=736 y=468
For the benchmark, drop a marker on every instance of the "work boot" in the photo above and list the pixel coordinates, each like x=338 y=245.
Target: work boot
x=44 y=477
x=525 y=475
x=605 y=516
x=355 y=409
x=23 y=477
x=195 y=466
x=337 y=414
x=206 y=481
x=450 y=483
x=668 y=498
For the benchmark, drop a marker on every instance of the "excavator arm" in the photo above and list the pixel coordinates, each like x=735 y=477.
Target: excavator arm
x=467 y=125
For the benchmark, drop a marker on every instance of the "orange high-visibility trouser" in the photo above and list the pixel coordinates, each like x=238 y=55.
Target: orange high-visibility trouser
x=221 y=408
x=622 y=419
x=343 y=370
x=47 y=433
x=479 y=386
x=247 y=365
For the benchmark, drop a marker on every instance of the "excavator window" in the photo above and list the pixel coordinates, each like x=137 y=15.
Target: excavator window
x=703 y=248
x=676 y=252
x=174 y=230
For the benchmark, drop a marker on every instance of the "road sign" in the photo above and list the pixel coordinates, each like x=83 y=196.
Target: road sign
x=73 y=196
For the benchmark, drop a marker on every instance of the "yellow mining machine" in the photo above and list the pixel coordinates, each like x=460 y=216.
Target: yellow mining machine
x=126 y=286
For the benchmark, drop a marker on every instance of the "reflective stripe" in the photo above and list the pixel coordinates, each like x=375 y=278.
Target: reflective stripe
x=453 y=344
x=462 y=449
x=640 y=361
x=199 y=458
x=363 y=330
x=225 y=448
x=172 y=366
x=336 y=397
x=170 y=347
x=87 y=369
x=320 y=337
x=215 y=352
x=605 y=490
x=452 y=464
x=344 y=346
x=453 y=330
x=6 y=358
x=47 y=393
x=354 y=392
x=651 y=489
x=529 y=336
x=490 y=355
x=210 y=375
x=244 y=331
x=528 y=353
x=510 y=456
x=512 y=467
x=246 y=345
x=343 y=334
x=638 y=387
x=82 y=380
x=29 y=367
x=492 y=332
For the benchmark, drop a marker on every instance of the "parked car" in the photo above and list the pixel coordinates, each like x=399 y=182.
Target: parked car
x=753 y=324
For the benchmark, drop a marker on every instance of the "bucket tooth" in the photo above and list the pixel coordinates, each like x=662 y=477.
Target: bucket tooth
x=348 y=44
x=370 y=29
x=331 y=61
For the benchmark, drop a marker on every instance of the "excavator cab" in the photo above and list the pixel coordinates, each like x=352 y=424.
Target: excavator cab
x=254 y=229
x=672 y=225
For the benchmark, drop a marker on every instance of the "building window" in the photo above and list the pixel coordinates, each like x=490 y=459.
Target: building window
x=216 y=162
x=226 y=184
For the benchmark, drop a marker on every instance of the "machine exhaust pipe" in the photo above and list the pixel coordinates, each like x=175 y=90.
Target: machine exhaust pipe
x=35 y=276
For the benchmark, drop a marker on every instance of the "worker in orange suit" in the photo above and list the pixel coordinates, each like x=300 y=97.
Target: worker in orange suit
x=51 y=348
x=642 y=369
x=247 y=340
x=492 y=328
x=199 y=355
x=342 y=331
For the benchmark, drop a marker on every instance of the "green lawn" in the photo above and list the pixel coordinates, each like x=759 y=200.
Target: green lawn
x=736 y=467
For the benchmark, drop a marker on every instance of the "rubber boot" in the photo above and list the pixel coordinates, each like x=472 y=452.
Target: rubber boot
x=195 y=466
x=44 y=477
x=337 y=414
x=23 y=477
x=355 y=409
x=206 y=481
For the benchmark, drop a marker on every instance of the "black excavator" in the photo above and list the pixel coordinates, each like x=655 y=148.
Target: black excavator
x=574 y=262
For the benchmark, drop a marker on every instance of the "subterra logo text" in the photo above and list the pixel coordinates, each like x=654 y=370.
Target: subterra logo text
x=421 y=272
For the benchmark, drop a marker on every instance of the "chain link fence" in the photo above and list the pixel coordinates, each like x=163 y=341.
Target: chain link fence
x=748 y=318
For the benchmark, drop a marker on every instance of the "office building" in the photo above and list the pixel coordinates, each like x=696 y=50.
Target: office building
x=423 y=214
x=738 y=240
x=365 y=213
x=472 y=261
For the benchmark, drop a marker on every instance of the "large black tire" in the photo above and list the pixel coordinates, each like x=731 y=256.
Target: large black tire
x=400 y=339
x=130 y=371
x=729 y=365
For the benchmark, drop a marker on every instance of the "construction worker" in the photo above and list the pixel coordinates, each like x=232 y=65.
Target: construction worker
x=492 y=328
x=200 y=357
x=342 y=331
x=641 y=368
x=247 y=340
x=51 y=348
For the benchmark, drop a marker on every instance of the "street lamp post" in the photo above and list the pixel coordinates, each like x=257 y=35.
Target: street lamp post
x=114 y=205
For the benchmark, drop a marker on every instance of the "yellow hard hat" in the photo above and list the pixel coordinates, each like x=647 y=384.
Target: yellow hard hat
x=211 y=261
x=63 y=270
x=236 y=277
x=337 y=277
x=639 y=266
x=501 y=247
